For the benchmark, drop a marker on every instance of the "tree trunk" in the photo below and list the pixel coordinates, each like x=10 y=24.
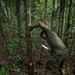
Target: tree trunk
x=1 y=30
x=61 y=17
x=27 y=4
x=18 y=5
x=2 y=39
x=52 y=21
x=45 y=15
x=73 y=29
x=67 y=27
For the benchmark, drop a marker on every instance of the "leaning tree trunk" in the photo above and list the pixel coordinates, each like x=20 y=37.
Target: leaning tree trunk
x=27 y=4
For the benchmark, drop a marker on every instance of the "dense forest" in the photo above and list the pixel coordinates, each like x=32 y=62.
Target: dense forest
x=21 y=51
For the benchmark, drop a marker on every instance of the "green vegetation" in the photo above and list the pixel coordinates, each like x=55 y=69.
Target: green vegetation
x=20 y=49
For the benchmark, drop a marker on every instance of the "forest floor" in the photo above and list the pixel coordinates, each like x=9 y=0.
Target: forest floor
x=7 y=61
x=42 y=65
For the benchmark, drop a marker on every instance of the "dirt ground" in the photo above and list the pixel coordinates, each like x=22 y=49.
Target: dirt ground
x=45 y=65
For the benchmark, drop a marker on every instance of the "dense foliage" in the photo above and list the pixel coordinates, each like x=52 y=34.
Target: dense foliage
x=58 y=15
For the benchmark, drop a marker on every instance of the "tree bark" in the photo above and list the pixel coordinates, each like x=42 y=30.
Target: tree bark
x=18 y=5
x=67 y=27
x=2 y=40
x=1 y=30
x=53 y=11
x=27 y=4
x=61 y=17
x=45 y=14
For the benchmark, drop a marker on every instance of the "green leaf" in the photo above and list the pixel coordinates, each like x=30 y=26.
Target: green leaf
x=3 y=71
